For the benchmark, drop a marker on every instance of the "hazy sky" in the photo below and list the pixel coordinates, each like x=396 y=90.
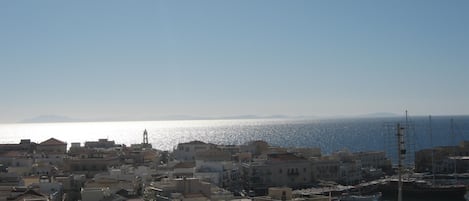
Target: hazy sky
x=138 y=59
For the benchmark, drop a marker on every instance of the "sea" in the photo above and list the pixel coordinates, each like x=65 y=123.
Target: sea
x=330 y=135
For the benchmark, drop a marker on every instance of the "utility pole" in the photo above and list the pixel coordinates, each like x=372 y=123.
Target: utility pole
x=433 y=149
x=401 y=154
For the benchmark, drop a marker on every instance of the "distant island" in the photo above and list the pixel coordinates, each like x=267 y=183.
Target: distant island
x=59 y=118
x=50 y=119
x=63 y=119
x=381 y=114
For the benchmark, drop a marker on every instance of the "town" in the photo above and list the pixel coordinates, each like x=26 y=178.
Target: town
x=106 y=171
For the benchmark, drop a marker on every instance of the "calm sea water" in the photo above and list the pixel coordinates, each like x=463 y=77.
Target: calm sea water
x=330 y=135
x=360 y=134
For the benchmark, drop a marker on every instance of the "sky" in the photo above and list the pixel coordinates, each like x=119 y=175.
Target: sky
x=144 y=59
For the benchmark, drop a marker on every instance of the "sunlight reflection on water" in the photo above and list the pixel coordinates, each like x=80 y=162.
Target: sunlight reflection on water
x=329 y=135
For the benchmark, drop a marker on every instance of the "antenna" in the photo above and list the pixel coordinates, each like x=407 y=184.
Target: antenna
x=453 y=144
x=410 y=138
x=452 y=130
x=401 y=151
x=433 y=149
x=406 y=118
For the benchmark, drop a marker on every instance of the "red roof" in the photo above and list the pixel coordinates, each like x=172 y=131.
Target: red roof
x=53 y=141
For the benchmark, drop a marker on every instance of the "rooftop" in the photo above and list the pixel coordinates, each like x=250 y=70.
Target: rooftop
x=195 y=142
x=284 y=157
x=185 y=165
x=53 y=141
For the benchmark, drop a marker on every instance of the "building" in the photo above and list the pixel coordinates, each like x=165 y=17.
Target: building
x=24 y=194
x=101 y=143
x=350 y=172
x=326 y=168
x=284 y=169
x=185 y=189
x=285 y=193
x=183 y=169
x=25 y=145
x=17 y=162
x=187 y=151
x=52 y=146
x=350 y=167
x=256 y=148
x=374 y=159
x=281 y=193
x=11 y=179
x=99 y=194
x=215 y=166
x=46 y=186
x=182 y=188
x=306 y=152
x=125 y=181
x=71 y=185
x=443 y=159
x=89 y=166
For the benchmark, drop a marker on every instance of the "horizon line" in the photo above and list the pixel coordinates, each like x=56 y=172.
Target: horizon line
x=66 y=119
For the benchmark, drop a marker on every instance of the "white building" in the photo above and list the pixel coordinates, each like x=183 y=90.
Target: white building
x=216 y=172
x=284 y=169
x=185 y=189
x=50 y=188
x=326 y=168
x=99 y=194
x=183 y=169
x=187 y=151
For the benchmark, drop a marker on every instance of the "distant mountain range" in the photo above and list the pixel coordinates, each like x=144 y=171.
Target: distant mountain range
x=50 y=118
x=59 y=118
x=380 y=114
